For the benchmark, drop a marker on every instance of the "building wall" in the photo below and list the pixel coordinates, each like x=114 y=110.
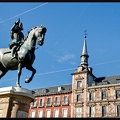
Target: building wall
x=53 y=107
x=85 y=100
x=110 y=101
x=75 y=91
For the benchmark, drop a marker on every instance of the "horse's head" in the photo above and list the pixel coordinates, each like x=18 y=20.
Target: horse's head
x=40 y=34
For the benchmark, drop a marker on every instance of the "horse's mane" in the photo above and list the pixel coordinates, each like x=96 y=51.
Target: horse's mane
x=30 y=31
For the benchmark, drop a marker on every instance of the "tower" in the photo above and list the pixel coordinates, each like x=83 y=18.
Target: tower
x=81 y=79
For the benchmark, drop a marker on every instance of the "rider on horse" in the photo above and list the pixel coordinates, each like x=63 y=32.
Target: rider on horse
x=17 y=37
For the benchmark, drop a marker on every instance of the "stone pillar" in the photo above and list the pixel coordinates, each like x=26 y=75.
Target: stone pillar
x=15 y=102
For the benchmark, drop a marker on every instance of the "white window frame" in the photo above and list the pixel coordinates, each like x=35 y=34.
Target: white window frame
x=78 y=85
x=42 y=102
x=40 y=116
x=92 y=94
x=33 y=104
x=50 y=101
x=64 y=115
x=92 y=111
x=33 y=114
x=117 y=95
x=56 y=115
x=106 y=94
x=64 y=101
x=48 y=116
x=78 y=112
x=116 y=111
x=57 y=102
x=79 y=99
x=106 y=111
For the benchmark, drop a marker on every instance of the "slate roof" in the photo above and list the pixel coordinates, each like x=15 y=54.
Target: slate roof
x=106 y=80
x=68 y=88
x=52 y=90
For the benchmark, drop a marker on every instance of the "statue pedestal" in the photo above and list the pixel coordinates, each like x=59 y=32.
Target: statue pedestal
x=15 y=102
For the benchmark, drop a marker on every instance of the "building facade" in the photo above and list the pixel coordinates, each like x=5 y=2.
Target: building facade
x=86 y=96
x=92 y=96
x=51 y=102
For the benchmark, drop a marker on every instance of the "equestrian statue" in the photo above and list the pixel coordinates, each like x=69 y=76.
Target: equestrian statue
x=20 y=52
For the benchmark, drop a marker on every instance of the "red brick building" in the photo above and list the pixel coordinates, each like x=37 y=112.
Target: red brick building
x=86 y=96
x=51 y=102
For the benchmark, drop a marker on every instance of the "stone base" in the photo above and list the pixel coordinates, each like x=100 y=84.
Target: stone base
x=15 y=102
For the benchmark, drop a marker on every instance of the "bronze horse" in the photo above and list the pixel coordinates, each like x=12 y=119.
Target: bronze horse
x=25 y=55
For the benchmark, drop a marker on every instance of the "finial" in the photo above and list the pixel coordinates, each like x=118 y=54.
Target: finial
x=85 y=34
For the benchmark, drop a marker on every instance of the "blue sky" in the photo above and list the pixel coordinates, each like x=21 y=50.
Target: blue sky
x=60 y=54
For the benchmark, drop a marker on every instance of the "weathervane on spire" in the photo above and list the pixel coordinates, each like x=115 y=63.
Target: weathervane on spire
x=85 y=33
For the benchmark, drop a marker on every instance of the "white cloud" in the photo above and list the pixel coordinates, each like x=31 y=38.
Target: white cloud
x=65 y=57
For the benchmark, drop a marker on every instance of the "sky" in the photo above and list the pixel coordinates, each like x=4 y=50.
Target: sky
x=60 y=54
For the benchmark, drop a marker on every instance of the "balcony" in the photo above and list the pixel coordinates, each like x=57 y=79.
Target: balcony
x=33 y=106
x=78 y=115
x=40 y=106
x=49 y=105
x=64 y=103
x=78 y=102
x=79 y=89
x=99 y=99
x=57 y=104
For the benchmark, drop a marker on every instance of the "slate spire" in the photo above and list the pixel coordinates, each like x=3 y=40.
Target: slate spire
x=84 y=56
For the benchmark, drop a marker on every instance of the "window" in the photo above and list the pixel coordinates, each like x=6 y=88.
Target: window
x=103 y=111
x=79 y=84
x=47 y=113
x=117 y=93
x=78 y=112
x=41 y=102
x=60 y=88
x=104 y=94
x=40 y=113
x=57 y=101
x=56 y=113
x=91 y=111
x=64 y=113
x=118 y=110
x=33 y=104
x=79 y=97
x=65 y=99
x=48 y=101
x=118 y=81
x=45 y=90
x=91 y=96
x=33 y=114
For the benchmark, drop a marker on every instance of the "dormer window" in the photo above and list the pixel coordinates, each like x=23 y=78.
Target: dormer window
x=118 y=81
x=60 y=88
x=45 y=90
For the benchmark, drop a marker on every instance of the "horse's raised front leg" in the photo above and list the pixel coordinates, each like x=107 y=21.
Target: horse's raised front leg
x=19 y=74
x=33 y=73
x=2 y=73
